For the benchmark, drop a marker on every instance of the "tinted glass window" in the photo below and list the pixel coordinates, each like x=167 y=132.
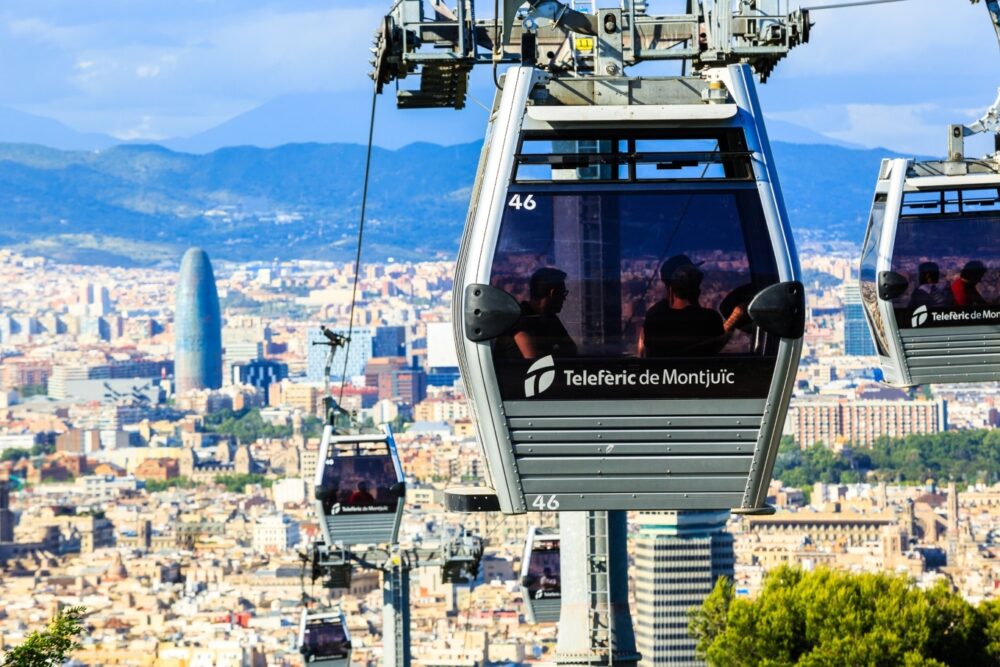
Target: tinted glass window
x=542 y=582
x=326 y=639
x=948 y=248
x=647 y=283
x=359 y=484
x=869 y=277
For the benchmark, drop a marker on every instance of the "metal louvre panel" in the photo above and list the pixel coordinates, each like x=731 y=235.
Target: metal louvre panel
x=954 y=354
x=361 y=528
x=544 y=611
x=614 y=454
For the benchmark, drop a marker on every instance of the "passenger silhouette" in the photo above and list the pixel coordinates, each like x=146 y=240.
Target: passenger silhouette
x=539 y=331
x=929 y=291
x=548 y=581
x=965 y=288
x=679 y=325
x=362 y=496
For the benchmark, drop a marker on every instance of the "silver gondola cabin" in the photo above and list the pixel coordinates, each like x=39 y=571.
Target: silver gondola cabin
x=359 y=488
x=930 y=265
x=324 y=640
x=541 y=584
x=627 y=302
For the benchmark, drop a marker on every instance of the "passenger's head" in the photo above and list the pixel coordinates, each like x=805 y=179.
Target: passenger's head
x=685 y=283
x=973 y=271
x=548 y=288
x=672 y=264
x=928 y=273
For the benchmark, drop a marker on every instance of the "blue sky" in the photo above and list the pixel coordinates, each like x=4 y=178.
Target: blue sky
x=890 y=75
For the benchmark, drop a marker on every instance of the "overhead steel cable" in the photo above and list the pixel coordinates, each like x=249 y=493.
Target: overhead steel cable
x=860 y=3
x=361 y=236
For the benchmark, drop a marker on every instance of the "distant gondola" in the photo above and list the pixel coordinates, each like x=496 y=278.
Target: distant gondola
x=627 y=301
x=930 y=268
x=359 y=488
x=324 y=640
x=541 y=582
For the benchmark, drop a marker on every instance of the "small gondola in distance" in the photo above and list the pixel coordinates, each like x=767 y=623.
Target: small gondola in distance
x=627 y=301
x=541 y=576
x=324 y=640
x=359 y=488
x=930 y=271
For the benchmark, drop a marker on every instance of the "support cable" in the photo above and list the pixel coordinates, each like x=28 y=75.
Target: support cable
x=861 y=3
x=361 y=236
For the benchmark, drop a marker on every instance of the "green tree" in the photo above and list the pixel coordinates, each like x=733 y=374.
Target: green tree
x=15 y=454
x=236 y=483
x=49 y=647
x=826 y=618
x=155 y=485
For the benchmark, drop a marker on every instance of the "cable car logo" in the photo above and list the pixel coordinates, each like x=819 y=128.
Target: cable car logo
x=540 y=376
x=919 y=316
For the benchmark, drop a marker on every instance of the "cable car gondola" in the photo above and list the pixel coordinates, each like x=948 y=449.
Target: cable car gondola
x=627 y=298
x=930 y=265
x=541 y=583
x=324 y=640
x=360 y=488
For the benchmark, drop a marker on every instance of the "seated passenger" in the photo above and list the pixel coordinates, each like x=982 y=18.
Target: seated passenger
x=539 y=332
x=928 y=292
x=678 y=325
x=965 y=288
x=362 y=496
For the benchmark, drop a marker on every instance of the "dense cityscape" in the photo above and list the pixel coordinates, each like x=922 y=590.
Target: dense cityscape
x=169 y=493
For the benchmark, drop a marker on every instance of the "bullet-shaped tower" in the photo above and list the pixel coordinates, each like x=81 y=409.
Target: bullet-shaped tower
x=197 y=325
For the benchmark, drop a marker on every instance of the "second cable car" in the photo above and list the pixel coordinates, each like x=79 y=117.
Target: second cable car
x=359 y=488
x=324 y=640
x=541 y=584
x=627 y=302
x=930 y=266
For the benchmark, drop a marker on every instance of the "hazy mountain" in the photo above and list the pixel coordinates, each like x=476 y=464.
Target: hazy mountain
x=28 y=128
x=145 y=204
x=336 y=118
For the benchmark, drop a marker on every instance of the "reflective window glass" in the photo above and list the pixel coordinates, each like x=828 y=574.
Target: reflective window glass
x=869 y=277
x=359 y=485
x=542 y=582
x=326 y=639
x=619 y=281
x=950 y=260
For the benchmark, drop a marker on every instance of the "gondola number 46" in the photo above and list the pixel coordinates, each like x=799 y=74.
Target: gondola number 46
x=540 y=503
x=528 y=203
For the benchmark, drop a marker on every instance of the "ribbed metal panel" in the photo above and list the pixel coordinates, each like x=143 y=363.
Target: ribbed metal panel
x=543 y=611
x=954 y=354
x=361 y=528
x=695 y=453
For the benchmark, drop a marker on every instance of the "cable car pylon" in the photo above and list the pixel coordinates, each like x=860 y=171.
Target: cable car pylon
x=359 y=489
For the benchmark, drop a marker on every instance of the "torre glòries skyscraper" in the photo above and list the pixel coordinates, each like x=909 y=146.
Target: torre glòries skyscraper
x=197 y=326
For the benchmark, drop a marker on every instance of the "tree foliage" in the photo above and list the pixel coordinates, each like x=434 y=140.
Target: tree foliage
x=236 y=483
x=828 y=618
x=972 y=456
x=49 y=647
x=248 y=426
x=156 y=485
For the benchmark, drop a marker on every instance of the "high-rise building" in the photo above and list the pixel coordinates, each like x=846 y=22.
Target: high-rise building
x=260 y=373
x=861 y=421
x=6 y=516
x=357 y=356
x=197 y=325
x=679 y=556
x=389 y=342
x=857 y=339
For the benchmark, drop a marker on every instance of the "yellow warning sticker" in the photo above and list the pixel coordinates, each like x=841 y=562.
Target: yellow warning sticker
x=584 y=43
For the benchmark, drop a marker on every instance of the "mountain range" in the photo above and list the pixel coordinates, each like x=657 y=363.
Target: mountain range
x=143 y=204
